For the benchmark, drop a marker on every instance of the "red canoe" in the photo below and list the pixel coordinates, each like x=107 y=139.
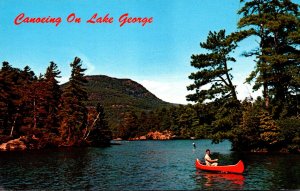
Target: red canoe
x=237 y=168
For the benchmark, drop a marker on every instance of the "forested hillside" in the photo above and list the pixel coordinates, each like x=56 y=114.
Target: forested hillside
x=119 y=96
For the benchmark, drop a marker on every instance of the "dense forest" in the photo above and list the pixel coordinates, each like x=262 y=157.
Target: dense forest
x=45 y=113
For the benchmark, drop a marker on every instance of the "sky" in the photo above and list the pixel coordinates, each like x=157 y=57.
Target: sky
x=156 y=55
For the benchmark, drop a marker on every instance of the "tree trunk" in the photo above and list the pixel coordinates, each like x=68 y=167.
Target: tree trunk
x=34 y=114
x=86 y=135
x=12 y=127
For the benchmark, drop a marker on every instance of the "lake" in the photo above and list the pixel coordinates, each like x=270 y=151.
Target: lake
x=145 y=165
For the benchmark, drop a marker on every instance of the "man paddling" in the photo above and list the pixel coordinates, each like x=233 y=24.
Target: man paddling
x=208 y=160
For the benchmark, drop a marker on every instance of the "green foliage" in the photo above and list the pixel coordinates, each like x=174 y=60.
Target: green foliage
x=129 y=126
x=119 y=96
x=100 y=134
x=9 y=98
x=74 y=112
x=269 y=132
x=276 y=24
x=251 y=126
x=213 y=69
x=48 y=117
x=246 y=136
x=52 y=96
x=227 y=116
x=290 y=132
x=257 y=130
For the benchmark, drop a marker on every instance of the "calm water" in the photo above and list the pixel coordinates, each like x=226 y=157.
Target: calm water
x=144 y=165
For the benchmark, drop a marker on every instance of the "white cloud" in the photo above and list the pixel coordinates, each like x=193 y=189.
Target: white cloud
x=63 y=79
x=175 y=91
x=171 y=91
x=87 y=64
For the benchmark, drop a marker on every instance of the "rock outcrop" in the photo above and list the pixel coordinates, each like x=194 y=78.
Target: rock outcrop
x=165 y=135
x=156 y=135
x=14 y=145
x=23 y=143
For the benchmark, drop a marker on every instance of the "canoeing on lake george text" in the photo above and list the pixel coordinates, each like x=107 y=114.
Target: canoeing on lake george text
x=123 y=20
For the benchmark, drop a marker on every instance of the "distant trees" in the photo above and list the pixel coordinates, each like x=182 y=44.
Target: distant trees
x=38 y=108
x=129 y=125
x=98 y=133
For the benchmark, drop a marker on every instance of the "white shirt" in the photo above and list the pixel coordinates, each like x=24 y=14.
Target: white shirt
x=207 y=158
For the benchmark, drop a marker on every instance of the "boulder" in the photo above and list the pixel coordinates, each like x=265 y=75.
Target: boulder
x=14 y=145
x=165 y=135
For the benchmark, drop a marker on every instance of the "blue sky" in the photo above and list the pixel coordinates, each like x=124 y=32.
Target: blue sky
x=156 y=55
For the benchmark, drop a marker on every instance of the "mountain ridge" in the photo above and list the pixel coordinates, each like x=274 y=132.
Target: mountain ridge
x=120 y=95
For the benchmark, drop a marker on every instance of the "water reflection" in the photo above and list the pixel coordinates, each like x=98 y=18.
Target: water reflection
x=220 y=180
x=56 y=169
x=148 y=165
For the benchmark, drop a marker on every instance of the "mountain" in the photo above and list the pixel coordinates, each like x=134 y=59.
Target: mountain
x=121 y=95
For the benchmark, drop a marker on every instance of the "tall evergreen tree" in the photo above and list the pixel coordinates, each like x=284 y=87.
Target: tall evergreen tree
x=8 y=97
x=100 y=135
x=27 y=93
x=276 y=24
x=52 y=96
x=213 y=81
x=73 y=112
x=213 y=69
x=269 y=132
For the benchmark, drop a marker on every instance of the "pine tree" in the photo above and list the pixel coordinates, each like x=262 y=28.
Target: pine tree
x=15 y=98
x=52 y=96
x=73 y=111
x=188 y=121
x=213 y=69
x=100 y=134
x=246 y=136
x=276 y=24
x=269 y=132
x=8 y=107
x=27 y=103
x=39 y=103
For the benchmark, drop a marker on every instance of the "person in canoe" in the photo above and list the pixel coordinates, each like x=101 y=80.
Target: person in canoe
x=208 y=160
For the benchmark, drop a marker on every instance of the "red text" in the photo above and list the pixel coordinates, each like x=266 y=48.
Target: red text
x=22 y=19
x=106 y=19
x=124 y=19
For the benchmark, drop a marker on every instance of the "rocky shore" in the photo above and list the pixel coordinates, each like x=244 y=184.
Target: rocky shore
x=156 y=135
x=14 y=145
